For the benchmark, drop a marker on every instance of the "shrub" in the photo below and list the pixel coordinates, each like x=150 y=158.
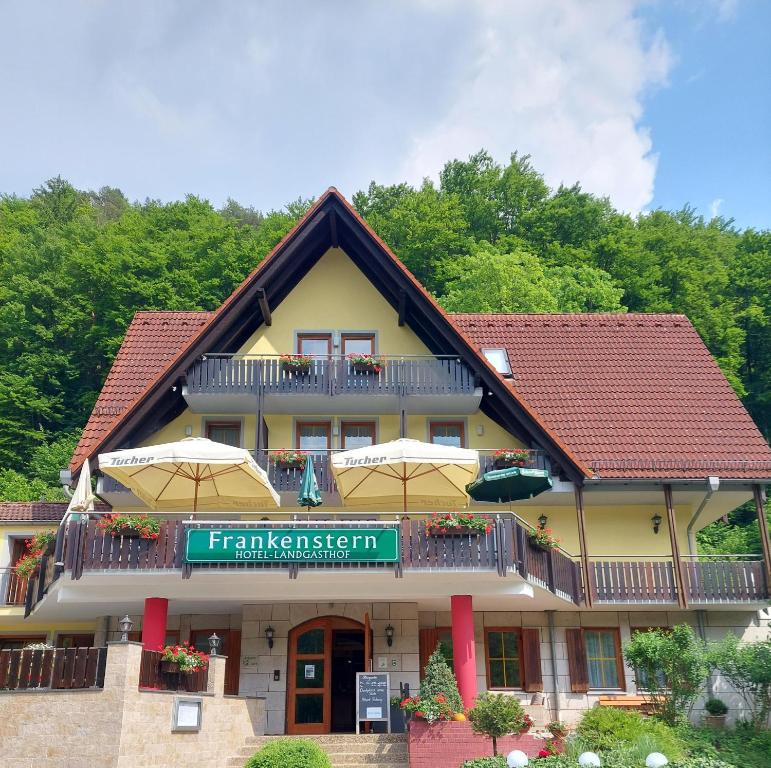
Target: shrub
x=440 y=680
x=607 y=729
x=675 y=655
x=495 y=715
x=290 y=753
x=497 y=761
x=715 y=707
x=747 y=666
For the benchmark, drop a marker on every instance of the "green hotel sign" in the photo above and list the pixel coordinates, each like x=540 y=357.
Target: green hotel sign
x=225 y=545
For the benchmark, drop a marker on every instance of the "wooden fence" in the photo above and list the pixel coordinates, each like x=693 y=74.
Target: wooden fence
x=57 y=668
x=151 y=676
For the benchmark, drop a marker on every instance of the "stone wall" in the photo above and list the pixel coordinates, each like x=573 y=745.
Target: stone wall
x=121 y=726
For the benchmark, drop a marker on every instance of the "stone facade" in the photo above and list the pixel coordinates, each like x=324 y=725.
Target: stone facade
x=121 y=726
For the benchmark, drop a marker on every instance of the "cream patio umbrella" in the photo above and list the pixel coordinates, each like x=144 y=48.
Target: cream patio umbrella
x=194 y=472
x=405 y=472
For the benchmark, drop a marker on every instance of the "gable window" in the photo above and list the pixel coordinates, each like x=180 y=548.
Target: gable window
x=452 y=433
x=227 y=432
x=357 y=344
x=314 y=344
x=498 y=358
x=504 y=664
x=357 y=434
x=603 y=658
x=313 y=436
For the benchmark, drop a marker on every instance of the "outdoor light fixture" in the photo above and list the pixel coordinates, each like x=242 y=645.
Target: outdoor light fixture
x=589 y=760
x=542 y=520
x=389 y=633
x=269 y=632
x=656 y=520
x=214 y=644
x=125 y=625
x=516 y=759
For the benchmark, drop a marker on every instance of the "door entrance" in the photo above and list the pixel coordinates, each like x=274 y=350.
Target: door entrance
x=324 y=656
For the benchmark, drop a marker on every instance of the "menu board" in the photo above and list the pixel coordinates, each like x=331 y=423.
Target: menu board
x=373 y=700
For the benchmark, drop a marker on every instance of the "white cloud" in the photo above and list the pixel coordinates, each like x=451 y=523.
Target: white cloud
x=265 y=102
x=714 y=207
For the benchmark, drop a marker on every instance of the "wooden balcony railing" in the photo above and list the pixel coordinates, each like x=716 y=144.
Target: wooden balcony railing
x=151 y=676
x=57 y=668
x=330 y=376
x=14 y=587
x=724 y=581
x=633 y=581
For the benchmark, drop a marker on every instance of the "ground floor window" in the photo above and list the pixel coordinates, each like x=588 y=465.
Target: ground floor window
x=603 y=658
x=15 y=642
x=503 y=650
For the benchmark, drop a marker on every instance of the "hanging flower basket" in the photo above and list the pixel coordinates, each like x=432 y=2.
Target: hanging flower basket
x=298 y=365
x=131 y=526
x=510 y=457
x=458 y=524
x=289 y=459
x=366 y=364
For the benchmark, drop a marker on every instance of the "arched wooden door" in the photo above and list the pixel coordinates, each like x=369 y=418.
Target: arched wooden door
x=324 y=654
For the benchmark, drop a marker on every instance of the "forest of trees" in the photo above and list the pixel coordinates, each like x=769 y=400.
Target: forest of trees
x=75 y=265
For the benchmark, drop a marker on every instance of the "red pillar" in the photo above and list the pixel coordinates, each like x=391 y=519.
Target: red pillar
x=463 y=651
x=154 y=623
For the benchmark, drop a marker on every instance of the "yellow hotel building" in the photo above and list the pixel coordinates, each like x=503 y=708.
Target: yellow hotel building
x=640 y=436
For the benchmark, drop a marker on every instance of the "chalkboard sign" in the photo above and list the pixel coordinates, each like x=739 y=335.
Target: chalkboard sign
x=373 y=698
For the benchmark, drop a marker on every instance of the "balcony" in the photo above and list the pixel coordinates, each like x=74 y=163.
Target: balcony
x=332 y=385
x=13 y=588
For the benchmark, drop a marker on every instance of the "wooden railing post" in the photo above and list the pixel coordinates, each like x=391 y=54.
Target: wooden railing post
x=765 y=544
x=682 y=598
x=584 y=554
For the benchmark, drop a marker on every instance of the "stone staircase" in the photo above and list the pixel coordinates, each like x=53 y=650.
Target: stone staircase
x=373 y=750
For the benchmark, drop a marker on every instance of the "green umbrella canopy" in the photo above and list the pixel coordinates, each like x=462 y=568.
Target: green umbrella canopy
x=510 y=484
x=309 y=495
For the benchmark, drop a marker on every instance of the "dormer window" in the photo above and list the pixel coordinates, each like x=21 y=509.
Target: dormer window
x=499 y=358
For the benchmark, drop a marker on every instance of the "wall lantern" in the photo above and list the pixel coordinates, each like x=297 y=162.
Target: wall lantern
x=656 y=520
x=214 y=644
x=542 y=520
x=389 y=633
x=269 y=633
x=125 y=625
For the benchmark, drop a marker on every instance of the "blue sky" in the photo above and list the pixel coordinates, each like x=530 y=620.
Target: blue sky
x=653 y=103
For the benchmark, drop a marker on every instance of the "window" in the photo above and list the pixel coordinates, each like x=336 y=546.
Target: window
x=603 y=658
x=499 y=359
x=504 y=665
x=429 y=639
x=75 y=641
x=447 y=433
x=314 y=344
x=357 y=434
x=16 y=642
x=313 y=436
x=227 y=432
x=358 y=344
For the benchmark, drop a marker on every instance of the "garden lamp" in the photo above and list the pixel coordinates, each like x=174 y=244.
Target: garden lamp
x=125 y=625
x=588 y=760
x=655 y=760
x=214 y=644
x=516 y=759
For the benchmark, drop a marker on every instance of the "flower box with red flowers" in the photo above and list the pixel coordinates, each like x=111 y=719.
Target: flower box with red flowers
x=431 y=709
x=299 y=365
x=541 y=538
x=511 y=457
x=458 y=524
x=289 y=459
x=365 y=363
x=182 y=658
x=130 y=526
x=27 y=565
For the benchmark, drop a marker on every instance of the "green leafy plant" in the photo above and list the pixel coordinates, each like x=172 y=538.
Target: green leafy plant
x=496 y=715
x=675 y=655
x=747 y=666
x=429 y=708
x=496 y=761
x=40 y=542
x=27 y=565
x=145 y=526
x=557 y=728
x=447 y=522
x=440 y=679
x=290 y=753
x=716 y=707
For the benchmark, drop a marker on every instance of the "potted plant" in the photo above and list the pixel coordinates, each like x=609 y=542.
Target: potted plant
x=557 y=729
x=27 y=565
x=289 y=459
x=455 y=523
x=365 y=363
x=183 y=659
x=510 y=457
x=496 y=715
x=541 y=538
x=438 y=698
x=717 y=710
x=428 y=708
x=41 y=542
x=398 y=715
x=130 y=526
x=299 y=365
x=527 y=724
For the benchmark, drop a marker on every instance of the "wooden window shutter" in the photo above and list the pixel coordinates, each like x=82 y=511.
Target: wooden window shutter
x=427 y=642
x=233 y=663
x=579 y=671
x=531 y=657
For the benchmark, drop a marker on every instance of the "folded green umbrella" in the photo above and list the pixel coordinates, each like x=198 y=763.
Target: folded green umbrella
x=309 y=495
x=510 y=484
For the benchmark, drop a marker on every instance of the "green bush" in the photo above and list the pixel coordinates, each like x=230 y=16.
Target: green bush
x=743 y=746
x=498 y=761
x=702 y=761
x=716 y=707
x=439 y=679
x=495 y=715
x=290 y=753
x=606 y=729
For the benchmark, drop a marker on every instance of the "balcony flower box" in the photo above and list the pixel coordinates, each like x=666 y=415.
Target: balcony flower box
x=297 y=365
x=182 y=658
x=510 y=457
x=130 y=526
x=289 y=459
x=365 y=364
x=541 y=538
x=458 y=524
x=28 y=565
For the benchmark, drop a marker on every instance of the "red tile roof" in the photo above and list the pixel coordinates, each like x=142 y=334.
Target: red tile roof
x=634 y=396
x=152 y=341
x=36 y=511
